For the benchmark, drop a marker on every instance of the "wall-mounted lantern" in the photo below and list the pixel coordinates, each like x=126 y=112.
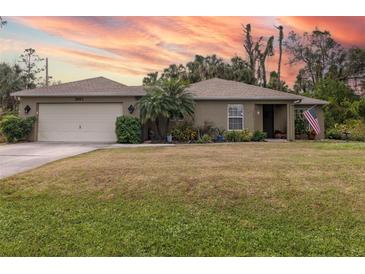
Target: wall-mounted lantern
x=27 y=109
x=131 y=109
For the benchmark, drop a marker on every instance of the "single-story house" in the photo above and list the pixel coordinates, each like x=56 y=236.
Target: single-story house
x=86 y=110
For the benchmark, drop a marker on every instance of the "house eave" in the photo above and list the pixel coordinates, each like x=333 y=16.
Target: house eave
x=244 y=99
x=76 y=95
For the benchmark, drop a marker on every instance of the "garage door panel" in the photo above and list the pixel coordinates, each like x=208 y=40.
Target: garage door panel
x=78 y=122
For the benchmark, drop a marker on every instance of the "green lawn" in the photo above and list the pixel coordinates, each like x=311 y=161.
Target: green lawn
x=251 y=199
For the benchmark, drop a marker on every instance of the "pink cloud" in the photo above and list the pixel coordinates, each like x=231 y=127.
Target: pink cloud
x=137 y=45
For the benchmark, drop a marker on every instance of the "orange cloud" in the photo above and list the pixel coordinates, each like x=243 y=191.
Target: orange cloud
x=137 y=45
x=349 y=31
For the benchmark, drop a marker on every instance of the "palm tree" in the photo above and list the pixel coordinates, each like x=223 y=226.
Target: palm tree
x=174 y=72
x=154 y=106
x=239 y=70
x=150 y=79
x=197 y=69
x=165 y=100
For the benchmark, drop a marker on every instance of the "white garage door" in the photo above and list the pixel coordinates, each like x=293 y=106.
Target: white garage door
x=78 y=122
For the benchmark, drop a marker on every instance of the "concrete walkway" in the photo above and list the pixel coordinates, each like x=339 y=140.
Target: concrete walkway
x=16 y=158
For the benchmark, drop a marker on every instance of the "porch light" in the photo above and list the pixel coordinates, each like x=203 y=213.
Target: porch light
x=27 y=109
x=131 y=109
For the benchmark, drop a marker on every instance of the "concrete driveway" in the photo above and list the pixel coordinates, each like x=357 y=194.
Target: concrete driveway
x=15 y=158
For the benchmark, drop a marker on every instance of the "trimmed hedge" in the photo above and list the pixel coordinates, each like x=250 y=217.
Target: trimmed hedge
x=15 y=128
x=128 y=130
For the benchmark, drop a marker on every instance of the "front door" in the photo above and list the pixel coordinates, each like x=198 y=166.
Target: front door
x=268 y=120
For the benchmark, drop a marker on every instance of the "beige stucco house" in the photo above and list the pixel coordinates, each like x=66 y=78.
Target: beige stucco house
x=85 y=111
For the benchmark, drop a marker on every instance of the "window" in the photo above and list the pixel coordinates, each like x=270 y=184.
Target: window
x=235 y=117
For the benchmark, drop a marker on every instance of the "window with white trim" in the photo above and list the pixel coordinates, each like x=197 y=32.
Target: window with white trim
x=235 y=117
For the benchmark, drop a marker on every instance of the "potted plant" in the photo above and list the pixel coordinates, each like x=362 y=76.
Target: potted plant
x=220 y=135
x=278 y=134
x=311 y=134
x=169 y=137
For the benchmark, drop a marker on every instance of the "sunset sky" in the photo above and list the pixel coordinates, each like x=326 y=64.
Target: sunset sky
x=125 y=49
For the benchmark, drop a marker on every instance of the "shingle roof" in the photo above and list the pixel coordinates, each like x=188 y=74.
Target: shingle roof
x=219 y=89
x=212 y=89
x=98 y=86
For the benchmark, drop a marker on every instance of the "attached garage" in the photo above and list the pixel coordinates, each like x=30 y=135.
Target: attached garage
x=80 y=111
x=84 y=122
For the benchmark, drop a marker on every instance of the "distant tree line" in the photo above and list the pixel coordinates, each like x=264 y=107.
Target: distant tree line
x=251 y=70
x=321 y=56
x=24 y=74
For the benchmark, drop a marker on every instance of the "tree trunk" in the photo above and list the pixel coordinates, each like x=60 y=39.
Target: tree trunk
x=167 y=126
x=157 y=122
x=281 y=37
x=263 y=72
x=248 y=45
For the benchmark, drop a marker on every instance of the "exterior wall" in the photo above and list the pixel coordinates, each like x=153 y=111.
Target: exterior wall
x=216 y=112
x=258 y=121
x=205 y=110
x=34 y=102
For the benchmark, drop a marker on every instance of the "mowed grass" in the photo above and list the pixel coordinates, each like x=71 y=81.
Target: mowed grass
x=251 y=199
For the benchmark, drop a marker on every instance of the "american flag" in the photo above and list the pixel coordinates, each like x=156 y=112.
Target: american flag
x=311 y=116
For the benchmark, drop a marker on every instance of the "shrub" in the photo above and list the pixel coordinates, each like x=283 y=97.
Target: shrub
x=356 y=129
x=15 y=128
x=238 y=136
x=335 y=132
x=184 y=132
x=128 y=130
x=299 y=126
x=245 y=136
x=351 y=130
x=361 y=108
x=206 y=128
x=232 y=136
x=2 y=138
x=258 y=136
x=205 y=139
